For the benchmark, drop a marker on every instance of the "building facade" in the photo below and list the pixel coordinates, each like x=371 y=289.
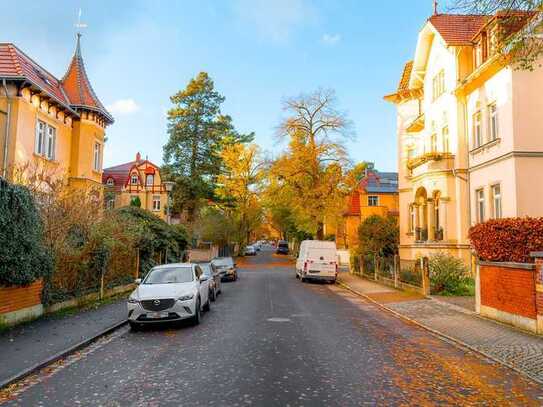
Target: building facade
x=53 y=127
x=467 y=135
x=136 y=179
x=376 y=194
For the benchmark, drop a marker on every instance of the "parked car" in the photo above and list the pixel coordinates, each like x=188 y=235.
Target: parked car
x=317 y=260
x=250 y=251
x=282 y=247
x=211 y=272
x=226 y=268
x=170 y=292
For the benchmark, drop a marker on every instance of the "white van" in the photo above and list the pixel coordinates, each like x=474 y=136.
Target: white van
x=317 y=260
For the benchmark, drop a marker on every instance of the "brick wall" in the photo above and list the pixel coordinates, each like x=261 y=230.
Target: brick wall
x=509 y=289
x=17 y=298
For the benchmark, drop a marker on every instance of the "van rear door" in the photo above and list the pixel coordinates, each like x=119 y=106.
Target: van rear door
x=321 y=261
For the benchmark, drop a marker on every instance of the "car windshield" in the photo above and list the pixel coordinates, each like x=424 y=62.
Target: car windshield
x=224 y=262
x=169 y=275
x=283 y=244
x=206 y=269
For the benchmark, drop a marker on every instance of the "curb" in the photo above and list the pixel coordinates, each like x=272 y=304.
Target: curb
x=454 y=341
x=52 y=359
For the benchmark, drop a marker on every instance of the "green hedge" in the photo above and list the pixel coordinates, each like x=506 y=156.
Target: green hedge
x=23 y=255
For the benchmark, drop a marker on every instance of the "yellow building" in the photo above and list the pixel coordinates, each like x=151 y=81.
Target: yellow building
x=376 y=194
x=469 y=134
x=136 y=179
x=49 y=126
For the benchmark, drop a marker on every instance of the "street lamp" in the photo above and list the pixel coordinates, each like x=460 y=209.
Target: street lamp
x=169 y=188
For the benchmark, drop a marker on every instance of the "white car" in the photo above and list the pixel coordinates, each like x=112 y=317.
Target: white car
x=171 y=292
x=317 y=260
x=250 y=251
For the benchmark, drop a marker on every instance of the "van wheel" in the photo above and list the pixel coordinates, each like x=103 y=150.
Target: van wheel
x=297 y=275
x=134 y=326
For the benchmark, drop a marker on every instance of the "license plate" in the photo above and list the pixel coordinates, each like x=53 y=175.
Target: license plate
x=156 y=315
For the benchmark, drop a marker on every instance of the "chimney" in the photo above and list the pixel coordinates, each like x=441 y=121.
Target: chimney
x=138 y=157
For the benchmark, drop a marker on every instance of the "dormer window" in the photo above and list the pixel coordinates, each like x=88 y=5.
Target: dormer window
x=110 y=182
x=134 y=179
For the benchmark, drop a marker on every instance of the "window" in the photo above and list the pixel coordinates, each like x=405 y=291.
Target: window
x=134 y=179
x=110 y=203
x=46 y=138
x=477 y=130
x=97 y=162
x=150 y=180
x=110 y=182
x=496 y=201
x=373 y=200
x=492 y=122
x=433 y=142
x=156 y=203
x=445 y=139
x=411 y=218
x=438 y=84
x=480 y=202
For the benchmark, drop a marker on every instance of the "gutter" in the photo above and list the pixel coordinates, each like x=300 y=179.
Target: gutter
x=6 y=141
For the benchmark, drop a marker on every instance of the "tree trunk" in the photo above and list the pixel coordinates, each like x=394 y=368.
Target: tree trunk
x=320 y=231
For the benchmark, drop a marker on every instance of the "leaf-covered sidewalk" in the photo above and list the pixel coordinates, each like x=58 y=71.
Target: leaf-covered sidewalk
x=29 y=344
x=509 y=346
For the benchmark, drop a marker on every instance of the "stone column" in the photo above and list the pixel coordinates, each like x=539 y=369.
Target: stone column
x=538 y=280
x=431 y=221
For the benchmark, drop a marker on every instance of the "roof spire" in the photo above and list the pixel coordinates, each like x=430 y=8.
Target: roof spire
x=435 y=7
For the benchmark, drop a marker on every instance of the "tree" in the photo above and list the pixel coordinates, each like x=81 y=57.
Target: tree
x=197 y=133
x=309 y=176
x=520 y=27
x=136 y=201
x=379 y=236
x=239 y=185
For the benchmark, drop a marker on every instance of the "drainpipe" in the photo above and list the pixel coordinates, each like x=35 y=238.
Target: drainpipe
x=6 y=142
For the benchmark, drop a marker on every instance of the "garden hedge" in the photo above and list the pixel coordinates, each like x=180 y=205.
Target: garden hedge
x=23 y=255
x=509 y=239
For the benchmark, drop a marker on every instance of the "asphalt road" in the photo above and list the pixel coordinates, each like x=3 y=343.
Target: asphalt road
x=270 y=340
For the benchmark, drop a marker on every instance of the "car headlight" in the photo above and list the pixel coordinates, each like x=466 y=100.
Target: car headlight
x=132 y=300
x=186 y=297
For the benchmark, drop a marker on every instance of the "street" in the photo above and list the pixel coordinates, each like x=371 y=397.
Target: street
x=270 y=340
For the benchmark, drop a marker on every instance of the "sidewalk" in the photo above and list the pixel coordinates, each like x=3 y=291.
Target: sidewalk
x=27 y=345
x=516 y=349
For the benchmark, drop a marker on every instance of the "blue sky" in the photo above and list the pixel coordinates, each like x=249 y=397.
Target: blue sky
x=138 y=53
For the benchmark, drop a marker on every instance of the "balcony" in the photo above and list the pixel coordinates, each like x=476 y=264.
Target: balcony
x=431 y=161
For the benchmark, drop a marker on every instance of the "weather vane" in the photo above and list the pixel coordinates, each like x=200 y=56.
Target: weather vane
x=79 y=24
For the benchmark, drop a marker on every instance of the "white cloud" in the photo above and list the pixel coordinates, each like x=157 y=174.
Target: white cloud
x=275 y=20
x=331 y=39
x=123 y=106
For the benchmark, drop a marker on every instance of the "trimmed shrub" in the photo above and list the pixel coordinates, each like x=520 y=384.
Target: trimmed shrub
x=23 y=255
x=509 y=239
x=448 y=275
x=379 y=236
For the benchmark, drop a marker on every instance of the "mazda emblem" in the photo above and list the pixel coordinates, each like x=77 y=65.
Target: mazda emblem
x=156 y=302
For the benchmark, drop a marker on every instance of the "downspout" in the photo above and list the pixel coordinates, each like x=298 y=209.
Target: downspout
x=6 y=142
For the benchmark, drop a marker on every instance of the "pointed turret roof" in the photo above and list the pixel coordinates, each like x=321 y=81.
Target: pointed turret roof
x=77 y=86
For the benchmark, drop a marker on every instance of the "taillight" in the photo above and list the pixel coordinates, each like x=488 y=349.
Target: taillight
x=305 y=266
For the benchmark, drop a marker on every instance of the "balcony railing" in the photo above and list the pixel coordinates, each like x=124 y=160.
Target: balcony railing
x=427 y=157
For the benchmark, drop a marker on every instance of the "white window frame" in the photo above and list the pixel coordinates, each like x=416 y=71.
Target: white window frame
x=45 y=144
x=134 y=179
x=372 y=198
x=433 y=142
x=156 y=203
x=97 y=157
x=110 y=181
x=445 y=141
x=496 y=201
x=480 y=204
x=477 y=129
x=152 y=178
x=492 y=122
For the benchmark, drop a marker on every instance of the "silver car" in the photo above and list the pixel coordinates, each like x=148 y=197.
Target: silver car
x=214 y=276
x=171 y=292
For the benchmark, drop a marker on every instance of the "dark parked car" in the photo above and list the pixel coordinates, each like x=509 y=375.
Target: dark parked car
x=282 y=247
x=226 y=268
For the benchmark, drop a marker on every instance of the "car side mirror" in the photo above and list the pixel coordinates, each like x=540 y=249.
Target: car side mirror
x=137 y=281
x=203 y=278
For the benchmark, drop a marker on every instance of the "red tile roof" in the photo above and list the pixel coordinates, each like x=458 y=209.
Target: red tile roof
x=406 y=74
x=77 y=86
x=74 y=91
x=353 y=204
x=121 y=173
x=457 y=29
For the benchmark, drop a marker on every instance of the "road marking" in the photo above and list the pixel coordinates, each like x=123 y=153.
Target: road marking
x=278 y=319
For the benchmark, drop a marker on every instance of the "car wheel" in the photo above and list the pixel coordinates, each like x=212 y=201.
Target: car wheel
x=134 y=326
x=207 y=305
x=197 y=318
x=212 y=295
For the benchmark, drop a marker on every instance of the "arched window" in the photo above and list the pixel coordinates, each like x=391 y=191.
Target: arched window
x=134 y=179
x=110 y=182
